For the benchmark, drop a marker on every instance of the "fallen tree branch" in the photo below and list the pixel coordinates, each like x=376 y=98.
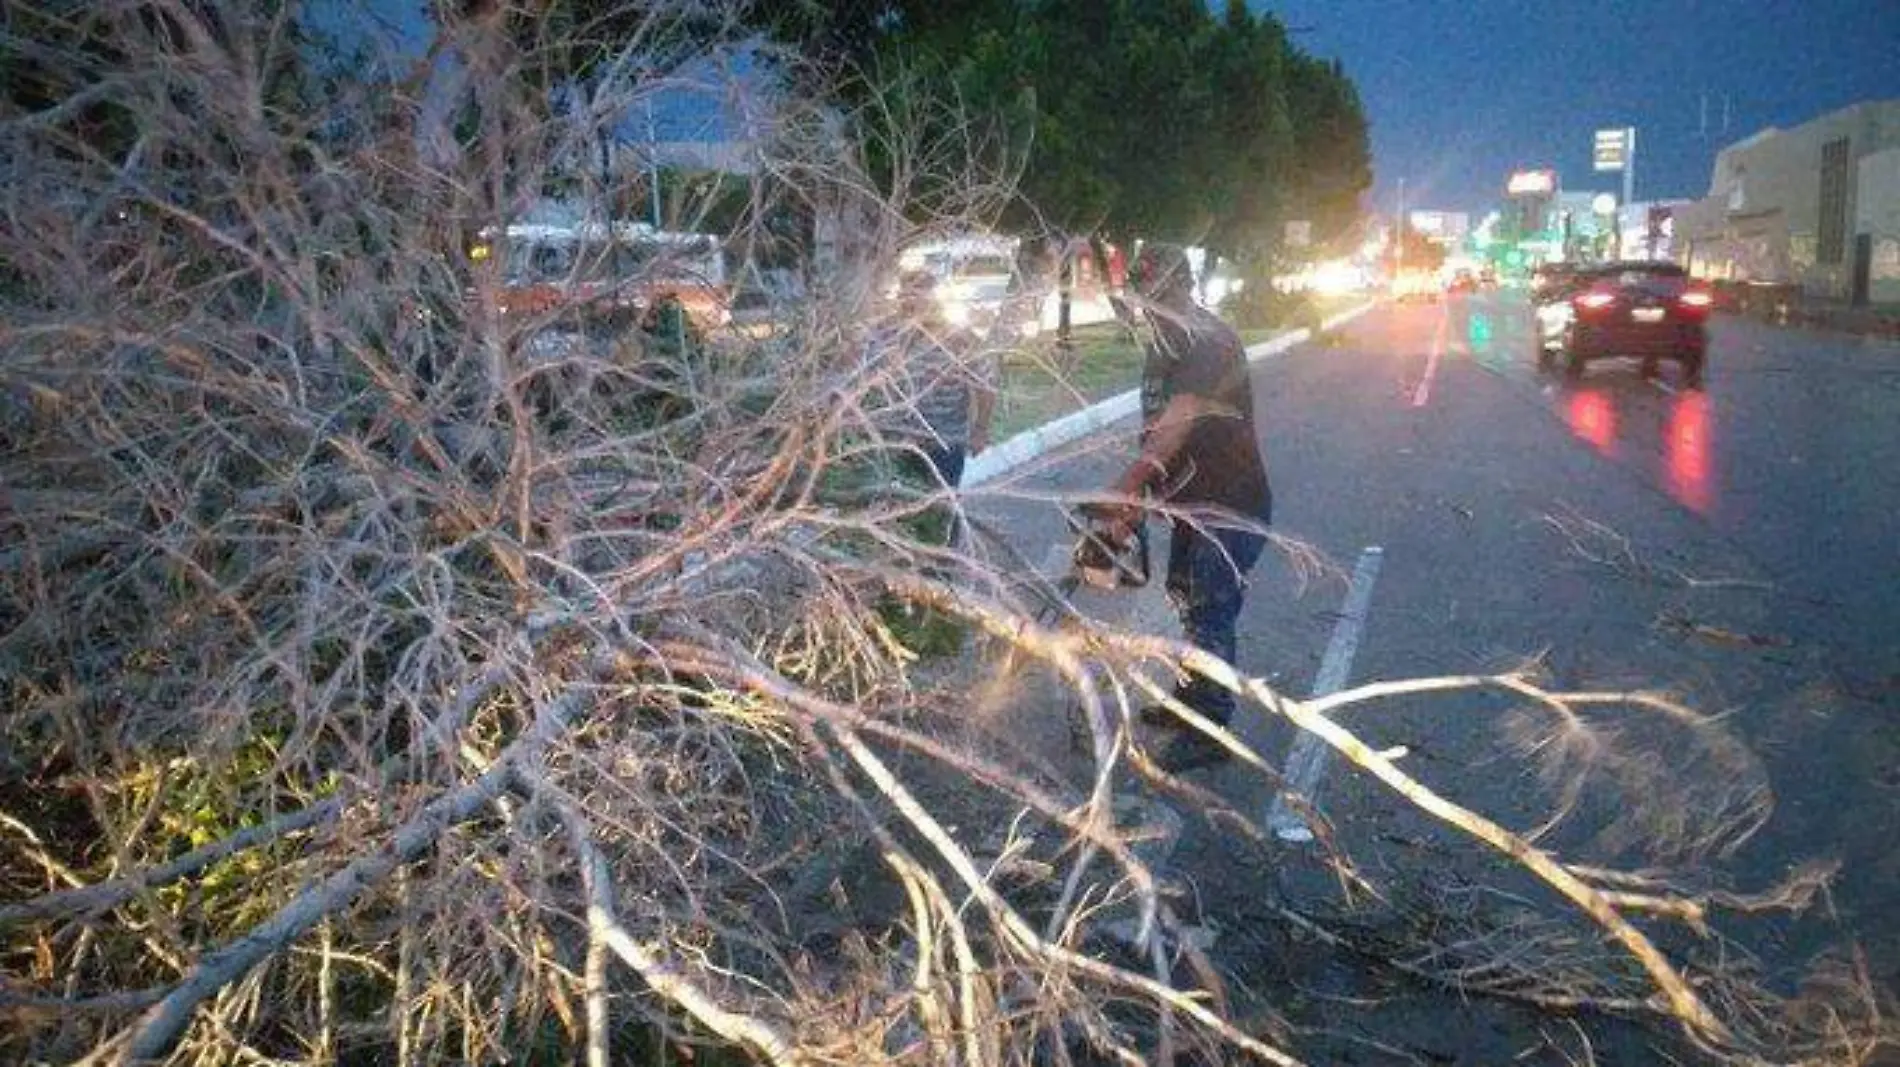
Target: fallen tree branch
x=1017 y=927
x=1679 y=998
x=103 y=896
x=100 y=1004
x=743 y=670
x=216 y=969
x=666 y=979
x=1627 y=1006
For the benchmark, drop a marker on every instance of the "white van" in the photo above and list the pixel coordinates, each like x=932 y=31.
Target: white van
x=974 y=274
x=616 y=272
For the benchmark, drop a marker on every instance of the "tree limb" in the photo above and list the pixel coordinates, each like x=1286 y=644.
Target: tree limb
x=104 y=896
x=161 y=1026
x=665 y=979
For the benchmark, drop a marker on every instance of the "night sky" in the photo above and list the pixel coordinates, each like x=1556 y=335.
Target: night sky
x=1459 y=94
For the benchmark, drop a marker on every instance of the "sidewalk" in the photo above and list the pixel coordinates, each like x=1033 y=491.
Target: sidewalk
x=1786 y=305
x=1866 y=321
x=1032 y=445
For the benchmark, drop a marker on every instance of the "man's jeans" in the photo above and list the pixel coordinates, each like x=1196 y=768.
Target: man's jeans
x=1207 y=570
x=946 y=461
x=939 y=466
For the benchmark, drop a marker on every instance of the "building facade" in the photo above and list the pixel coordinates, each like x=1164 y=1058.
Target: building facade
x=1877 y=227
x=1814 y=206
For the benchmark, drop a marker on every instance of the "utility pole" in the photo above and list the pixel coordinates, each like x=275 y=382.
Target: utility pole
x=1629 y=168
x=653 y=162
x=653 y=180
x=1398 y=258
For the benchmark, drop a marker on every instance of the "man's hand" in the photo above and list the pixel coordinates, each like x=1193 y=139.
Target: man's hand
x=1112 y=520
x=1121 y=517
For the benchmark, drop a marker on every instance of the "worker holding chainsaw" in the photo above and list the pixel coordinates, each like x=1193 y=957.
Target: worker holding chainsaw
x=1201 y=464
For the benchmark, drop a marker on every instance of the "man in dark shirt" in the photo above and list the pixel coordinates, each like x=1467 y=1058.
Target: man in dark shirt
x=1200 y=457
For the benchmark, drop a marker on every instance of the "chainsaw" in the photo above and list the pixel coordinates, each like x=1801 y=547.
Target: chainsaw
x=1103 y=556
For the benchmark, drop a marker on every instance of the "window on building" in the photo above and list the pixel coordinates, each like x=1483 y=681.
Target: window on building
x=1831 y=242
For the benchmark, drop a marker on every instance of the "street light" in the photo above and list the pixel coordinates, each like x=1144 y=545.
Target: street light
x=1398 y=258
x=1603 y=204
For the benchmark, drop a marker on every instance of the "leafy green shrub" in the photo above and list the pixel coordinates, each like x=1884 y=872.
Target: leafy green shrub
x=1264 y=307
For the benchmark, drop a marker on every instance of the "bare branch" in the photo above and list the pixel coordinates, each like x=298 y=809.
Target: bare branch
x=103 y=896
x=217 y=969
x=604 y=924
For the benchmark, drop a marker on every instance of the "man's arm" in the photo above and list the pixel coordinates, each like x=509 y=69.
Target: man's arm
x=1164 y=441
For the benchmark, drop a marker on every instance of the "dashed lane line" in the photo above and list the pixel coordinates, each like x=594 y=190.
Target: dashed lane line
x=1306 y=762
x=1423 y=394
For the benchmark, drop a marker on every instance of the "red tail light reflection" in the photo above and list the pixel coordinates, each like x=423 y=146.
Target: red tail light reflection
x=1592 y=416
x=1686 y=452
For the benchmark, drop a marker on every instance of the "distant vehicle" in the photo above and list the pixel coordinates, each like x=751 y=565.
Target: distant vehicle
x=975 y=290
x=1548 y=276
x=609 y=277
x=1641 y=310
x=1410 y=286
x=1487 y=279
x=1462 y=281
x=1552 y=286
x=976 y=277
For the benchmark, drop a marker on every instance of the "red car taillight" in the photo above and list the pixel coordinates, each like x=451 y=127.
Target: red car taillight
x=1695 y=298
x=1595 y=301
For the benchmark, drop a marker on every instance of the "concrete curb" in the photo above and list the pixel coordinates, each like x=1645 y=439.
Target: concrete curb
x=1039 y=441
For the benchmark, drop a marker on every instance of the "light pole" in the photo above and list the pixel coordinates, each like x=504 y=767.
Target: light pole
x=653 y=162
x=1629 y=166
x=1398 y=255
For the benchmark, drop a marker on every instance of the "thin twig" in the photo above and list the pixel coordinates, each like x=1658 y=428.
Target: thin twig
x=215 y=970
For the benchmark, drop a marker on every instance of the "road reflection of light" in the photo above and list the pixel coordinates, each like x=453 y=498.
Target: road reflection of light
x=1686 y=448
x=1478 y=332
x=1592 y=417
x=1480 y=342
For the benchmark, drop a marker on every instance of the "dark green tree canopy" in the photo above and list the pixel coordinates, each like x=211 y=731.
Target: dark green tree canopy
x=1151 y=118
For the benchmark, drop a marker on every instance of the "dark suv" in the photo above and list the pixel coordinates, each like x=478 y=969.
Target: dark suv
x=1646 y=311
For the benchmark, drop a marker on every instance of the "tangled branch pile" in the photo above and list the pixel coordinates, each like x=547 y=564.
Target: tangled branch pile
x=391 y=675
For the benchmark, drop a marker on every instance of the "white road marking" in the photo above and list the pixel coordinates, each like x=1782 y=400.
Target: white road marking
x=1424 y=391
x=1306 y=761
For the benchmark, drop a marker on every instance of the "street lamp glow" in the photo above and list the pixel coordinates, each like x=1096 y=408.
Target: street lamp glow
x=1604 y=204
x=1337 y=276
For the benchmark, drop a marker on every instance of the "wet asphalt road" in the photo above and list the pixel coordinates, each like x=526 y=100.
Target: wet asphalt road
x=1792 y=453
x=1738 y=546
